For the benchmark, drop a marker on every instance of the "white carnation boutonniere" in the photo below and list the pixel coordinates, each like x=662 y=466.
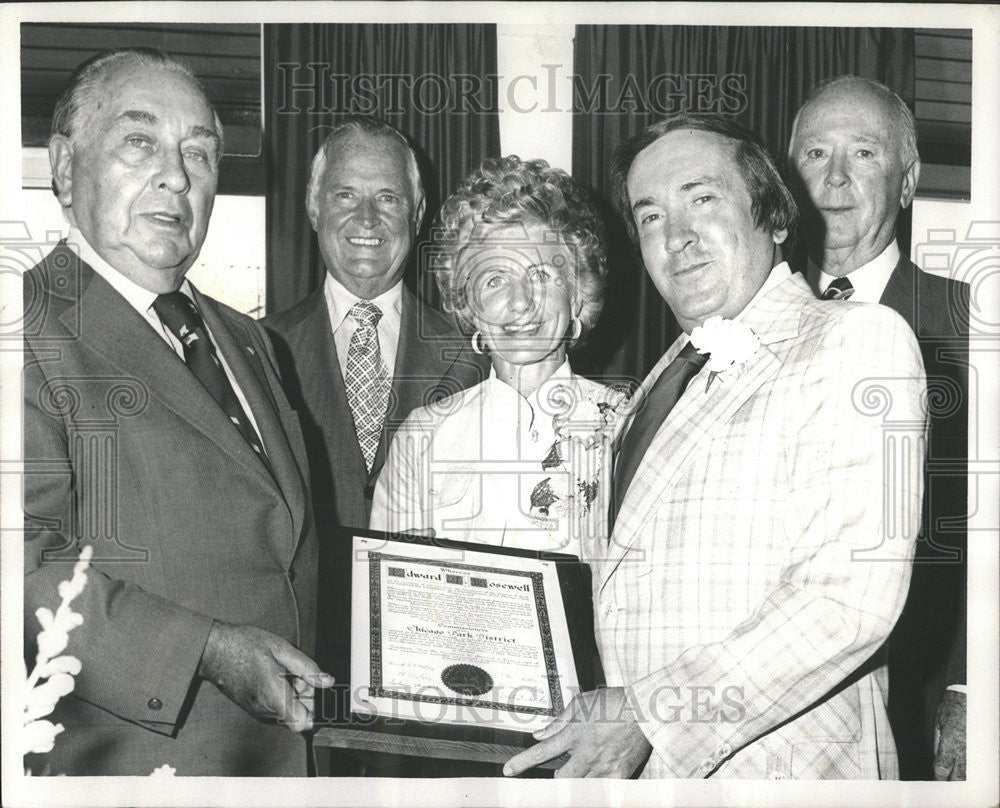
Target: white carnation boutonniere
x=728 y=343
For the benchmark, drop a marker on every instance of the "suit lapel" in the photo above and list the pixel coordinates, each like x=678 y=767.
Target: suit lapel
x=422 y=360
x=701 y=413
x=691 y=424
x=414 y=357
x=898 y=293
x=237 y=347
x=133 y=347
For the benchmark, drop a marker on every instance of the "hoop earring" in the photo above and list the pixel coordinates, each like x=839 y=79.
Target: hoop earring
x=477 y=343
x=577 y=329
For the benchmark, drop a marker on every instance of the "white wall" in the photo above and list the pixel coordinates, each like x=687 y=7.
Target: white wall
x=940 y=228
x=536 y=102
x=230 y=267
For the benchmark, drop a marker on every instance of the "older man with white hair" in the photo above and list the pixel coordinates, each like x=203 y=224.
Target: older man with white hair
x=362 y=351
x=855 y=166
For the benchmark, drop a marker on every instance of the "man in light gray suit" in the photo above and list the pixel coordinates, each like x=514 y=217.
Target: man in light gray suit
x=757 y=559
x=156 y=431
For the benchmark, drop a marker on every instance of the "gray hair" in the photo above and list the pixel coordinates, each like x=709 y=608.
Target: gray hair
x=364 y=125
x=900 y=113
x=76 y=104
x=72 y=109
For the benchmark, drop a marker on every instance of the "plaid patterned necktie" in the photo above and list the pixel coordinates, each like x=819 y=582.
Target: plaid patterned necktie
x=839 y=289
x=366 y=379
x=660 y=400
x=178 y=313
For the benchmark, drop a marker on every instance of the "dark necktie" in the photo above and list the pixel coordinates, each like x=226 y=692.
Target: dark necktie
x=366 y=379
x=658 y=403
x=179 y=314
x=839 y=289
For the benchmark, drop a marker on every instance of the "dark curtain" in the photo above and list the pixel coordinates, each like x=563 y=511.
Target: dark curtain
x=433 y=82
x=626 y=77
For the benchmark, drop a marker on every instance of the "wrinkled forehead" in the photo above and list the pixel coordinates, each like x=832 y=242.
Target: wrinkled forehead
x=849 y=108
x=159 y=93
x=681 y=160
x=377 y=156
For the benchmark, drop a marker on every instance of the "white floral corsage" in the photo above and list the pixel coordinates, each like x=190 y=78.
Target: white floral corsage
x=583 y=429
x=728 y=344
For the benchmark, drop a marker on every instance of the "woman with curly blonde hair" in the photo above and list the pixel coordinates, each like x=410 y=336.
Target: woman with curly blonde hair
x=522 y=458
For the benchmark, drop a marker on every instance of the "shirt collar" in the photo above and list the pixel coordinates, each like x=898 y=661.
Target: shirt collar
x=339 y=300
x=869 y=280
x=499 y=391
x=138 y=297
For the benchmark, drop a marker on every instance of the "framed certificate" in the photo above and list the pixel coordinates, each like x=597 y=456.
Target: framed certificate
x=459 y=650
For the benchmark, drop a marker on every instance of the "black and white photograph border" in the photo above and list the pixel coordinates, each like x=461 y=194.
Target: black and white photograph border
x=536 y=121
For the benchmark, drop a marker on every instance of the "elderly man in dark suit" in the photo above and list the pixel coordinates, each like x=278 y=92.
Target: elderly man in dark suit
x=853 y=154
x=156 y=431
x=361 y=352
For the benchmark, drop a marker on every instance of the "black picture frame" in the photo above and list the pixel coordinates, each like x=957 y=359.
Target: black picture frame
x=337 y=726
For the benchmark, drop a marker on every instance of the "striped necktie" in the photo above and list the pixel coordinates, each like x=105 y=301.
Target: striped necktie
x=179 y=314
x=839 y=289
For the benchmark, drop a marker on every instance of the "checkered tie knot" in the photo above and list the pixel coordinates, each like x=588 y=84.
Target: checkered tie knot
x=839 y=289
x=367 y=379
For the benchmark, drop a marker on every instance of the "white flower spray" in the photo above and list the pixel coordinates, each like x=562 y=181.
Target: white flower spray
x=56 y=668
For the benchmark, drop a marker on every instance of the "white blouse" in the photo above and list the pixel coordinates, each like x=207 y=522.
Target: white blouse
x=488 y=465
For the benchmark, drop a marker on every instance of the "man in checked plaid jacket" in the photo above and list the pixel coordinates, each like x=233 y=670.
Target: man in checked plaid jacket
x=761 y=554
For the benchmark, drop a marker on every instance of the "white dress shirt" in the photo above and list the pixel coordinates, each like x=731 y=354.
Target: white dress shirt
x=471 y=466
x=869 y=280
x=338 y=303
x=142 y=300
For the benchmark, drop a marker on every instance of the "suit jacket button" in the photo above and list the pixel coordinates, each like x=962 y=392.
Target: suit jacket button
x=154 y=704
x=291 y=576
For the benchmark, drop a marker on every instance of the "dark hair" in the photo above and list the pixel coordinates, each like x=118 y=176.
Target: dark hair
x=509 y=190
x=771 y=202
